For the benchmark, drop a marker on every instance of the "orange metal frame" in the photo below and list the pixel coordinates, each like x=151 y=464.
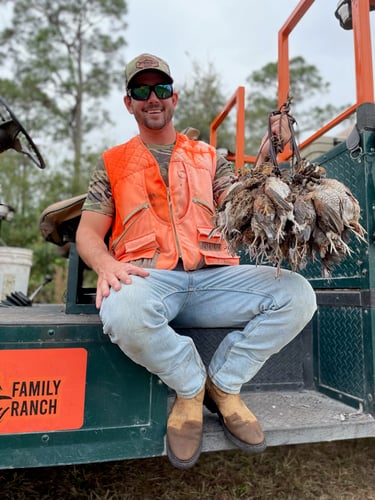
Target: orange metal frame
x=362 y=54
x=363 y=73
x=238 y=100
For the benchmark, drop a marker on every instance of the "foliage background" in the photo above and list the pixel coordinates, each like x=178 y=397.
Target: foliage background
x=61 y=61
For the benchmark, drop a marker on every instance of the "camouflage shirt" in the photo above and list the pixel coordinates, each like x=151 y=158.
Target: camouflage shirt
x=99 y=197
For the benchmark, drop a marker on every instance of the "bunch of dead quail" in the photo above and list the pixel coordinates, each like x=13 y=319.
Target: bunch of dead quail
x=297 y=217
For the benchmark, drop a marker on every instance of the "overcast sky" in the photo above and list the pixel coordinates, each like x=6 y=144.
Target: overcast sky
x=237 y=37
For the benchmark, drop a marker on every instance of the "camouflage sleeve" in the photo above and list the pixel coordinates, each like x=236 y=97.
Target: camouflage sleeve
x=99 y=196
x=224 y=178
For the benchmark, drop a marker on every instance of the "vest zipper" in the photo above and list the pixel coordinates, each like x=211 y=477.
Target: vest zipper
x=173 y=224
x=203 y=203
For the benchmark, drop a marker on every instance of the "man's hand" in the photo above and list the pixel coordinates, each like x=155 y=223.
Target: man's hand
x=90 y=236
x=280 y=128
x=112 y=274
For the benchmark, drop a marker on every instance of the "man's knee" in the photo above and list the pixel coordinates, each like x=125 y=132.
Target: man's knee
x=302 y=299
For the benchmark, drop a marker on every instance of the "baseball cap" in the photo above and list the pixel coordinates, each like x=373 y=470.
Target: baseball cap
x=146 y=62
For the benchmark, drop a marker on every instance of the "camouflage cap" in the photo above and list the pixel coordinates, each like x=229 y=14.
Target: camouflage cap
x=146 y=62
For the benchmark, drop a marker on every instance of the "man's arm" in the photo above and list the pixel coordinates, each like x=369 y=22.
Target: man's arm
x=90 y=240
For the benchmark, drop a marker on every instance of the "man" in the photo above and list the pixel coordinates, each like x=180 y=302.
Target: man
x=156 y=194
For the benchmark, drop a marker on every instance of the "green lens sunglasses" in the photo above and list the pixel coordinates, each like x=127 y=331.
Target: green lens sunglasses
x=143 y=92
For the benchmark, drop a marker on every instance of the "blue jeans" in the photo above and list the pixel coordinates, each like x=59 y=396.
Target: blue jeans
x=265 y=313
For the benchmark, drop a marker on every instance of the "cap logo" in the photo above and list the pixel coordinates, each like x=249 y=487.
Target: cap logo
x=147 y=62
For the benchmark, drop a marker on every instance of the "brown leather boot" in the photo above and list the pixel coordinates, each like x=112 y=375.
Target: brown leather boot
x=239 y=423
x=184 y=431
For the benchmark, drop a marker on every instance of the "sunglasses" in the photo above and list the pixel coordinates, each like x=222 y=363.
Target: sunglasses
x=143 y=92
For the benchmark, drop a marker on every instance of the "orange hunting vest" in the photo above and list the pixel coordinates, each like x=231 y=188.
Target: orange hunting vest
x=156 y=225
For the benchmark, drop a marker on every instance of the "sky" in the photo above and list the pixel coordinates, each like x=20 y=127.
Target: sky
x=237 y=37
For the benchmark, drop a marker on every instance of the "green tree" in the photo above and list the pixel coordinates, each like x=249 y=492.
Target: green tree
x=60 y=55
x=60 y=61
x=306 y=84
x=200 y=100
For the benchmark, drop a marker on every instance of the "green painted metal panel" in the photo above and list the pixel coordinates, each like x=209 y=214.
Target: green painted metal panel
x=344 y=354
x=125 y=407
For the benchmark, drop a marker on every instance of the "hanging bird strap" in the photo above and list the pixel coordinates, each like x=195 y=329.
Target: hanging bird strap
x=293 y=141
x=275 y=144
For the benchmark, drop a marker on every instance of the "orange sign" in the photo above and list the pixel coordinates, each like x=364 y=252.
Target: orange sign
x=42 y=389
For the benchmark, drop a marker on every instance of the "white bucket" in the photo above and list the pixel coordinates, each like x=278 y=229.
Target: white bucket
x=15 y=265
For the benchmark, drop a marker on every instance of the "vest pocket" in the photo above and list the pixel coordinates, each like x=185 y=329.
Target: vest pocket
x=117 y=244
x=206 y=242
x=145 y=247
x=213 y=248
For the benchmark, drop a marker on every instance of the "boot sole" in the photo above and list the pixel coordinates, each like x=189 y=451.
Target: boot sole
x=248 y=448
x=183 y=464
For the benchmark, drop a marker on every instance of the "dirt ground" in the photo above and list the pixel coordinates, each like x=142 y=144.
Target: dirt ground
x=327 y=471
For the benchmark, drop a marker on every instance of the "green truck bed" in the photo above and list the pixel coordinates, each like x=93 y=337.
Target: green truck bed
x=113 y=409
x=67 y=395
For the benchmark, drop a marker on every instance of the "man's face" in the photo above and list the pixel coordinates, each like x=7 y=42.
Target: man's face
x=153 y=113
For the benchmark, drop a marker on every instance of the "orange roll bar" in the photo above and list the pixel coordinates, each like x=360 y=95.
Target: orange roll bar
x=363 y=73
x=237 y=100
x=363 y=62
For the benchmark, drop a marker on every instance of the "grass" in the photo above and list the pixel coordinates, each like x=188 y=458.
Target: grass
x=326 y=471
